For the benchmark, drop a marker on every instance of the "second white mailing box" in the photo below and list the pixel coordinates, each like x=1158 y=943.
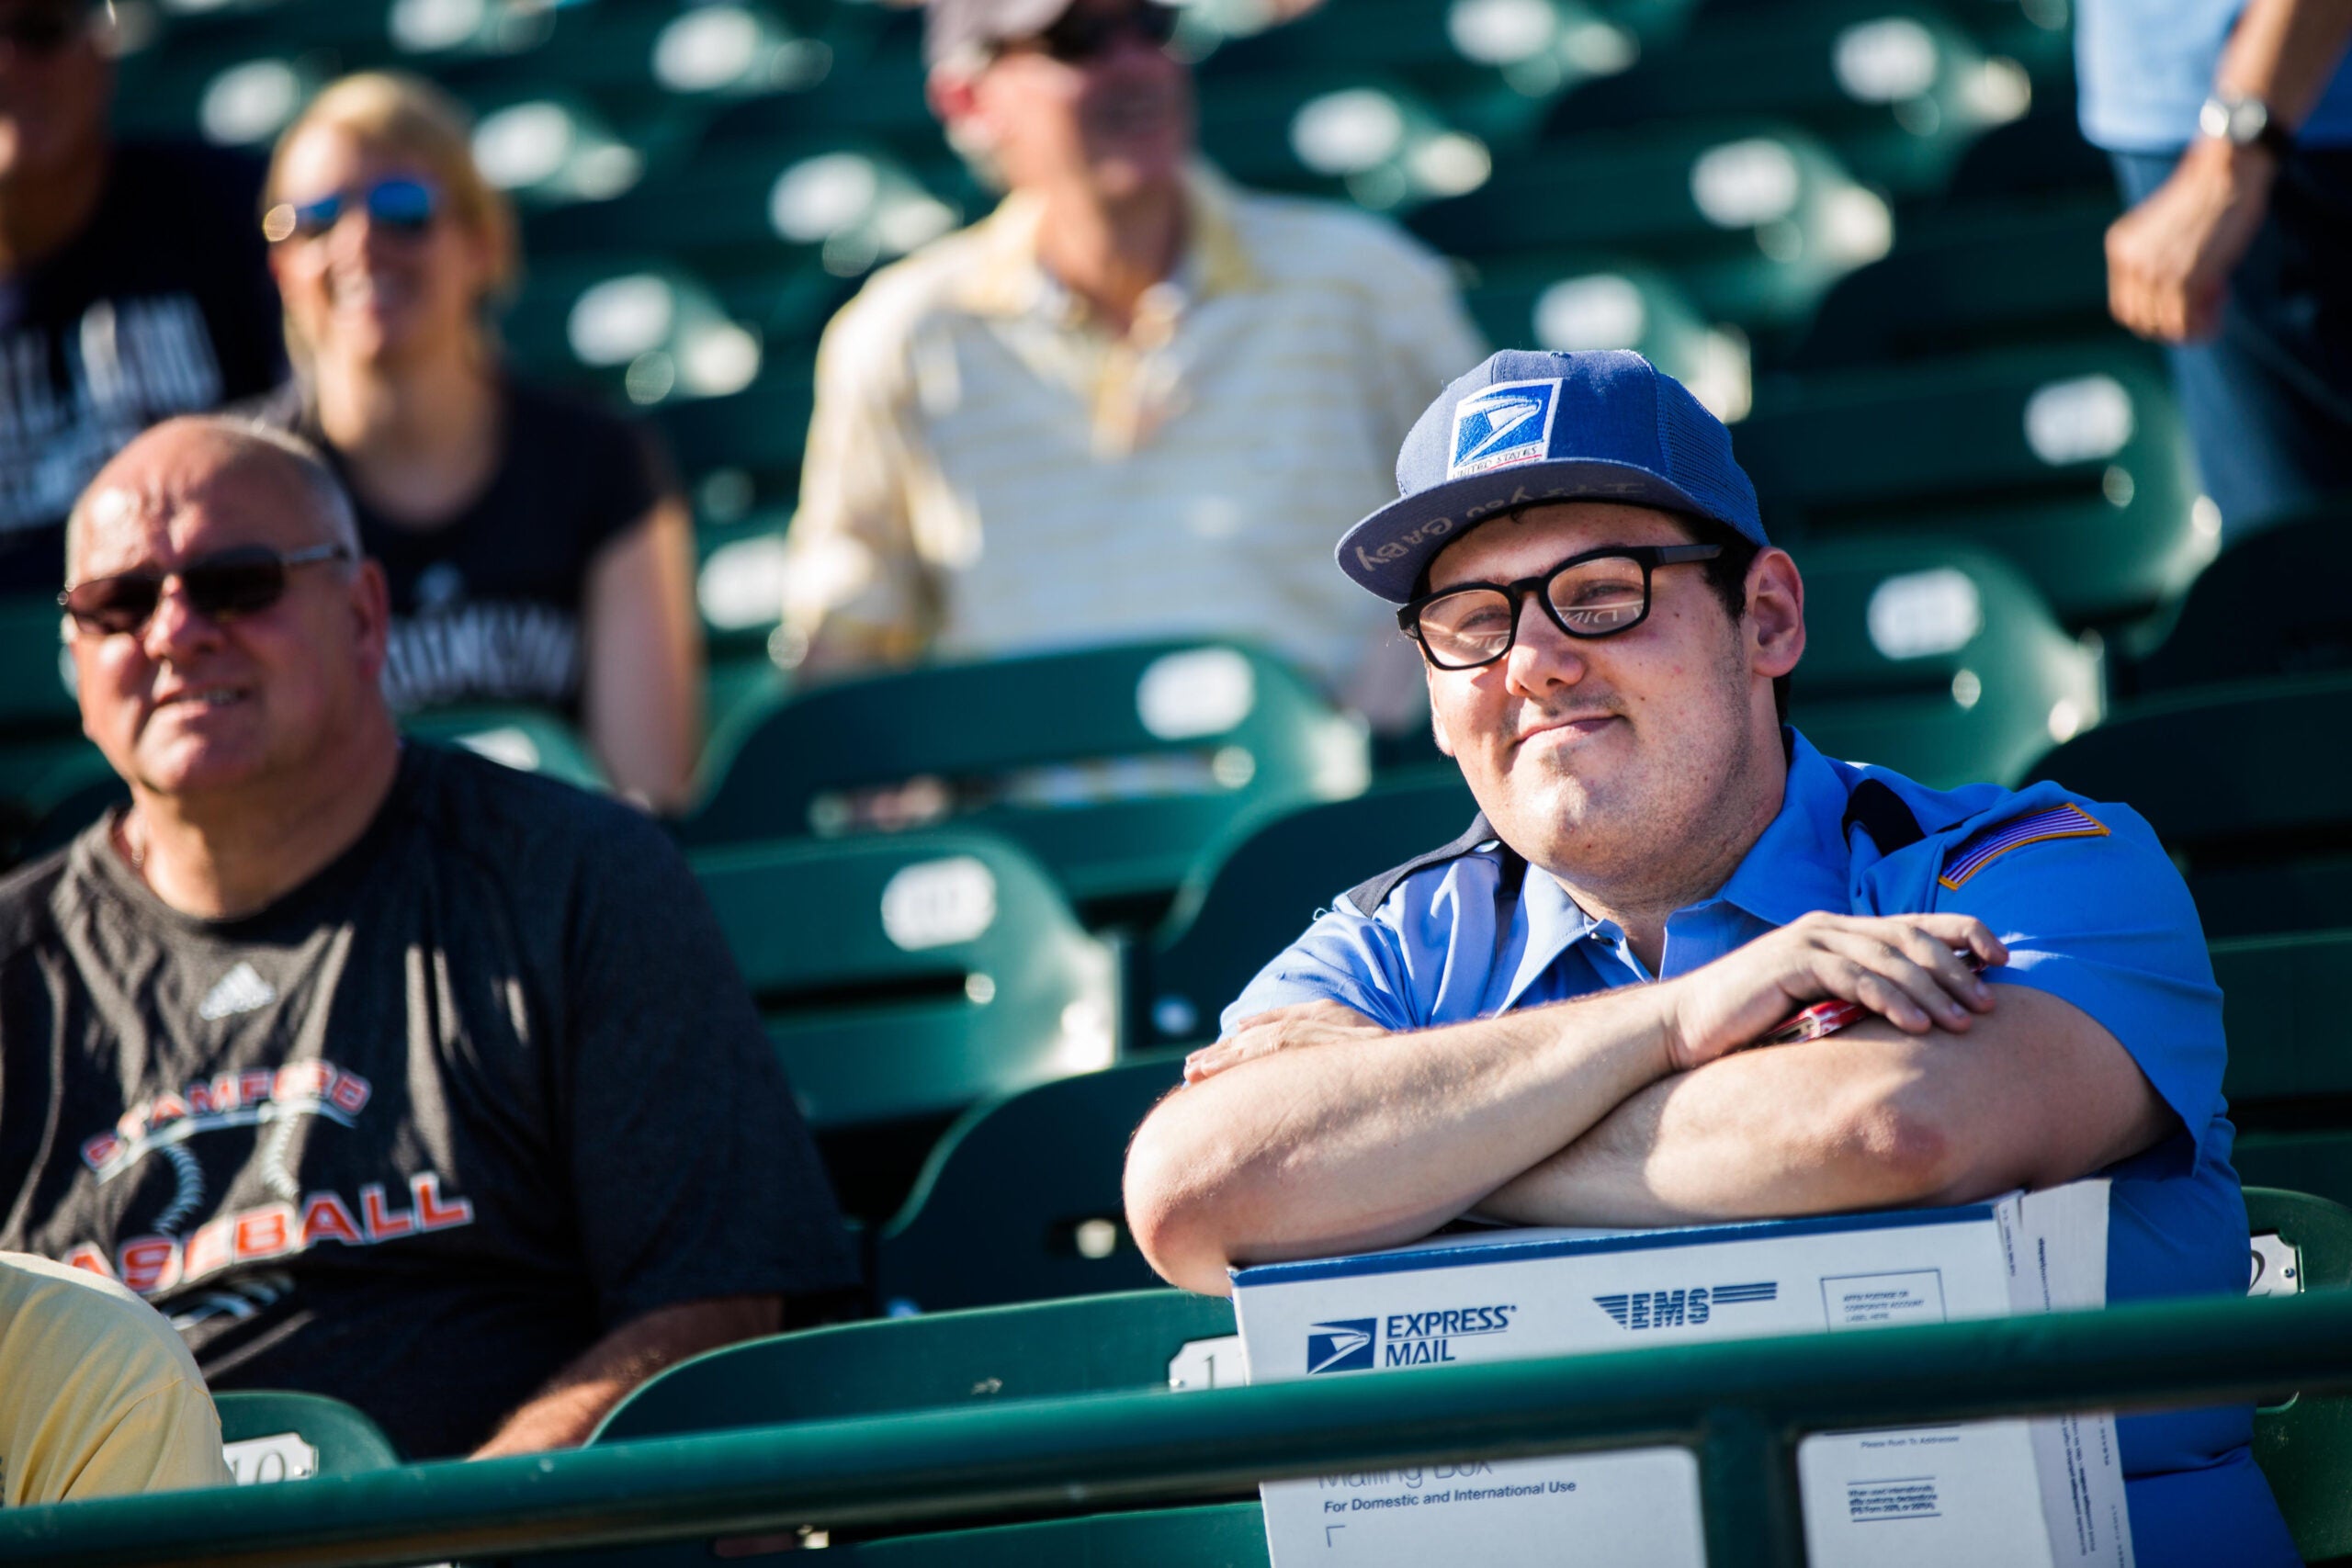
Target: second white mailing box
x=2039 y=1494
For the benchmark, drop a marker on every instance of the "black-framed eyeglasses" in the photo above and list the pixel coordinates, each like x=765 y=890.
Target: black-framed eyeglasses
x=1599 y=593
x=1081 y=35
x=402 y=203
x=242 y=581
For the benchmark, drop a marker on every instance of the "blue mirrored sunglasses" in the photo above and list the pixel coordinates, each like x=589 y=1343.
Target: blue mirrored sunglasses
x=402 y=204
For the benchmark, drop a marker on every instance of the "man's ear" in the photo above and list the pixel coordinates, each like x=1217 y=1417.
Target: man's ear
x=371 y=614
x=1774 y=627
x=953 y=97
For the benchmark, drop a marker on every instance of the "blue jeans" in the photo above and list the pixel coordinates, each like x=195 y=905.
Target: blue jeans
x=2269 y=402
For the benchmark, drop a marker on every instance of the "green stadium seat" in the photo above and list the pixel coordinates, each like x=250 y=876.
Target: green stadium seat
x=2070 y=464
x=1220 y=1535
x=1021 y=1200
x=1899 y=90
x=1374 y=138
x=1085 y=1344
x=750 y=211
x=2272 y=605
x=2008 y=278
x=1114 y=766
x=1571 y=302
x=2304 y=1443
x=905 y=977
x=530 y=739
x=2041 y=157
x=638 y=328
x=1940 y=664
x=1754 y=218
x=2244 y=783
x=1255 y=891
x=272 y=1435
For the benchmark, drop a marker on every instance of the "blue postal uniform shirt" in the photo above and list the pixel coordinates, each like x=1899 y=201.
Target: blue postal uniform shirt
x=2092 y=911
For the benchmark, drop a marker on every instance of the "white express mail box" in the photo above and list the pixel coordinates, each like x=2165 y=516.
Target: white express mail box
x=2028 y=1493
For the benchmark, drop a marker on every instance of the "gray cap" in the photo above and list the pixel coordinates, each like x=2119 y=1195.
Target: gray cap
x=950 y=27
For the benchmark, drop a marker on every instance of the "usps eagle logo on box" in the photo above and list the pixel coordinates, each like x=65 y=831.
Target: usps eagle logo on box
x=1509 y=422
x=1345 y=1346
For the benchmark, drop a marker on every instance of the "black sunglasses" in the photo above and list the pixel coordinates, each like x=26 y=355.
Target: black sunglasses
x=1079 y=35
x=1599 y=593
x=239 y=581
x=402 y=204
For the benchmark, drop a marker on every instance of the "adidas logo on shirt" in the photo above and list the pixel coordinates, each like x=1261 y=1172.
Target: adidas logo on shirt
x=240 y=990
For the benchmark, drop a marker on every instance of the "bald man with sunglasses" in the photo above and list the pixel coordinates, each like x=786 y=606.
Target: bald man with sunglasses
x=383 y=1071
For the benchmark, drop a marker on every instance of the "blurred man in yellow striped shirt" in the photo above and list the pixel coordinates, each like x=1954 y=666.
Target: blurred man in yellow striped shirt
x=1132 y=402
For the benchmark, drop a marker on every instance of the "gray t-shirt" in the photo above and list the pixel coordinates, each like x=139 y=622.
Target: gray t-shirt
x=419 y=1132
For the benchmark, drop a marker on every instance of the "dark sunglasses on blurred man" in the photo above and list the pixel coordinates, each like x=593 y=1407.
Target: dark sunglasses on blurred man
x=1081 y=34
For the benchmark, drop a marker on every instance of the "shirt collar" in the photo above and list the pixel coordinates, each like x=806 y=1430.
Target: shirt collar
x=1005 y=279
x=1801 y=862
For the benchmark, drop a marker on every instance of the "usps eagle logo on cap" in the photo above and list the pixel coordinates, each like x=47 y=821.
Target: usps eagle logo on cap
x=1509 y=422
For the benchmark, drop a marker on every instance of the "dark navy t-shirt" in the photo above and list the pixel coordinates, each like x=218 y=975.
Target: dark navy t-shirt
x=161 y=305
x=486 y=606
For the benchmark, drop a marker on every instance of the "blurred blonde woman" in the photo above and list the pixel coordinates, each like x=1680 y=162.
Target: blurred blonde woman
x=536 y=551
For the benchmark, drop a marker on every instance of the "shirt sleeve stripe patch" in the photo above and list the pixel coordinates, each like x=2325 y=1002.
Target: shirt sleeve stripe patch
x=1988 y=844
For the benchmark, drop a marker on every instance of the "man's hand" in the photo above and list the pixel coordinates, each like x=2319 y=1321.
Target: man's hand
x=2169 y=259
x=1906 y=968
x=1282 y=1029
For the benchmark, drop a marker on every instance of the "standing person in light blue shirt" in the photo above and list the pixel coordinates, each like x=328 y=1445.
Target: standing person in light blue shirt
x=1543 y=1022
x=2229 y=123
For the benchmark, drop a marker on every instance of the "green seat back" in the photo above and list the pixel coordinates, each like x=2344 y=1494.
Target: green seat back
x=35 y=699
x=2304 y=1445
x=1254 y=894
x=1085 y=1344
x=2225 y=773
x=1220 y=1535
x=2273 y=604
x=1572 y=301
x=1114 y=766
x=1784 y=61
x=909 y=975
x=2017 y=277
x=1938 y=662
x=2070 y=465
x=1021 y=1201
x=274 y=1434
x=2258 y=822
x=1754 y=261
x=530 y=739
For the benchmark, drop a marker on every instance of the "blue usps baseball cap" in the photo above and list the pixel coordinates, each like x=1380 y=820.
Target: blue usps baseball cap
x=1527 y=427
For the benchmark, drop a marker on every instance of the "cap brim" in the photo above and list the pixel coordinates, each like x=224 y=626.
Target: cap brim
x=983 y=25
x=1386 y=551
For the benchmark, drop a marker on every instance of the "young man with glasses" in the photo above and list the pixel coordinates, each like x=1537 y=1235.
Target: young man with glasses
x=384 y=1071
x=132 y=285
x=1130 y=403
x=1548 y=1021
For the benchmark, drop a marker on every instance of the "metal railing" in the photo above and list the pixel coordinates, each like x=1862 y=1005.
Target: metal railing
x=1742 y=1405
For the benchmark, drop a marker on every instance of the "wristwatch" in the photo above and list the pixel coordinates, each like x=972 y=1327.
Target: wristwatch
x=2242 y=119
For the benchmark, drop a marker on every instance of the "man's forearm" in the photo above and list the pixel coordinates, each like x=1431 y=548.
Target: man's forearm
x=562 y=1414
x=2035 y=1094
x=1742 y=1138
x=1377 y=1140
x=2285 y=52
